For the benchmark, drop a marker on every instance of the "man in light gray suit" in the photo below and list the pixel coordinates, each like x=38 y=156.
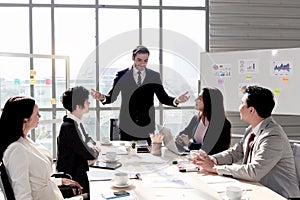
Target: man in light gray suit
x=264 y=152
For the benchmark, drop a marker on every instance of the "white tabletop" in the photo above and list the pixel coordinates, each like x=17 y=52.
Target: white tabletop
x=161 y=179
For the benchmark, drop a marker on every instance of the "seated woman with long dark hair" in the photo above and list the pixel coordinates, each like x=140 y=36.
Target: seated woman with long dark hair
x=209 y=130
x=28 y=165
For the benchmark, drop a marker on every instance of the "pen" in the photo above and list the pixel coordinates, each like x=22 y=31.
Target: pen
x=189 y=170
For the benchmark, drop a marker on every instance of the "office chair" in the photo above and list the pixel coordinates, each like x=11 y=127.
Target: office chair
x=66 y=190
x=114 y=130
x=5 y=184
x=296 y=153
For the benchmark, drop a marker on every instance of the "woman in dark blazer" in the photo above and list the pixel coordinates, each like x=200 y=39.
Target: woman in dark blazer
x=75 y=146
x=209 y=130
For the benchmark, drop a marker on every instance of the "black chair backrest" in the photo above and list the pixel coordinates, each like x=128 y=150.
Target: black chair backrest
x=8 y=191
x=114 y=130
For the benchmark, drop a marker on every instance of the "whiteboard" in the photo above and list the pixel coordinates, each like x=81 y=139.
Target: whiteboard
x=275 y=69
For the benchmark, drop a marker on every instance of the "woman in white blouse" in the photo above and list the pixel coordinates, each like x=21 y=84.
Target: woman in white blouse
x=28 y=165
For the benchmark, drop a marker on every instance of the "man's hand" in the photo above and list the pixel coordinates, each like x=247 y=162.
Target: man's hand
x=97 y=95
x=207 y=163
x=182 y=98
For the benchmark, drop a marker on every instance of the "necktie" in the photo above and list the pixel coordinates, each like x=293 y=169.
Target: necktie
x=139 y=80
x=251 y=139
x=249 y=147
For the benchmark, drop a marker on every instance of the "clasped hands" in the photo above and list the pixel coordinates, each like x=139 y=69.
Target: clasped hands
x=205 y=162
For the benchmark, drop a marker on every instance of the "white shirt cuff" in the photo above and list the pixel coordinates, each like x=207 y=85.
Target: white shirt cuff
x=174 y=102
x=57 y=181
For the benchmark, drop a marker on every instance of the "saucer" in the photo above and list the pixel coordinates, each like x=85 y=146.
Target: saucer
x=244 y=197
x=111 y=161
x=106 y=143
x=121 y=186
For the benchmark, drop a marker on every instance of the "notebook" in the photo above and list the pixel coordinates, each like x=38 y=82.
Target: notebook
x=169 y=141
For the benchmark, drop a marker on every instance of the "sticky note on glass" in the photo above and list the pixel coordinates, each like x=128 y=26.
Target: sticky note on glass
x=220 y=81
x=17 y=81
x=276 y=91
x=32 y=73
x=53 y=101
x=248 y=77
x=32 y=81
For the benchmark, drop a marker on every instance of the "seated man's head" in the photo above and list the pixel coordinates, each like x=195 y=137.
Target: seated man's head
x=256 y=102
x=76 y=98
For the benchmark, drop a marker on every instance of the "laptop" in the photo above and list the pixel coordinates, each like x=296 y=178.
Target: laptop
x=169 y=141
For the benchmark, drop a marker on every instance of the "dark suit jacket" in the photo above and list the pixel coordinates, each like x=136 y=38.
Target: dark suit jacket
x=137 y=113
x=220 y=142
x=73 y=153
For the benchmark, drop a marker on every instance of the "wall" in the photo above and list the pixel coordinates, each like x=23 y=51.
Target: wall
x=255 y=24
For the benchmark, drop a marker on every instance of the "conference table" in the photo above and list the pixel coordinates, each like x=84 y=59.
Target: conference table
x=160 y=178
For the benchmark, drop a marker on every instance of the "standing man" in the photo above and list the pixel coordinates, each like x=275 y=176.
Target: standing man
x=137 y=86
x=264 y=150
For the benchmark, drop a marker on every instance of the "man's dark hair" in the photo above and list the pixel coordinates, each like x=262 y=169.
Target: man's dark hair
x=73 y=97
x=261 y=99
x=140 y=50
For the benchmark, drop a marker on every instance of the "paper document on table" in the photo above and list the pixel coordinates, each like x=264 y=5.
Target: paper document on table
x=119 y=150
x=219 y=183
x=106 y=175
x=210 y=179
x=100 y=175
x=145 y=158
x=164 y=179
x=168 y=182
x=221 y=187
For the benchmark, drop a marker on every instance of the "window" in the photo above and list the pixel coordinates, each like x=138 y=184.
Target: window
x=79 y=34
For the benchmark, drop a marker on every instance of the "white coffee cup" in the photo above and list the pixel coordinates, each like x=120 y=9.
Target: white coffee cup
x=234 y=192
x=111 y=156
x=121 y=178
